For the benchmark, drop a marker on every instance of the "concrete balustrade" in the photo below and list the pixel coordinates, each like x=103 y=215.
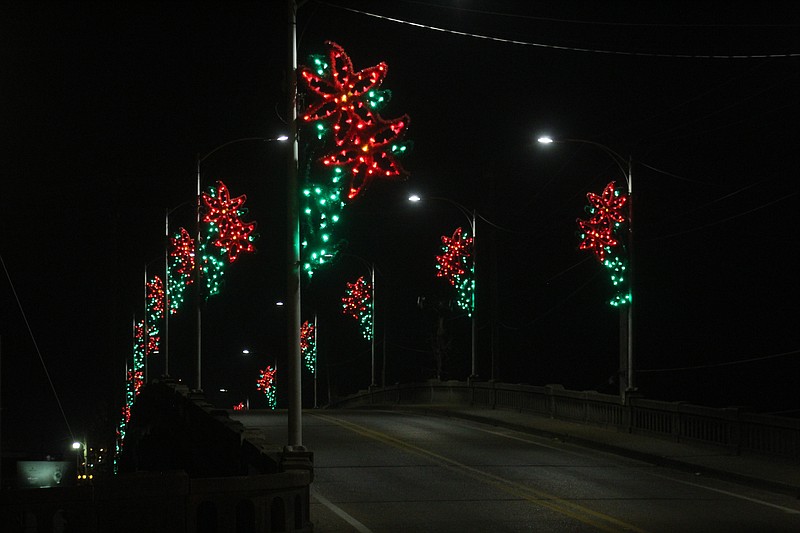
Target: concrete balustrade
x=733 y=428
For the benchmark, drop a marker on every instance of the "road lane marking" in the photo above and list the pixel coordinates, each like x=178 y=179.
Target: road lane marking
x=662 y=476
x=573 y=510
x=361 y=528
x=728 y=493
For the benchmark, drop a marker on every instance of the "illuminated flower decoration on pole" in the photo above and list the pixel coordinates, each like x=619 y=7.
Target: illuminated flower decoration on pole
x=151 y=347
x=231 y=235
x=138 y=347
x=308 y=345
x=354 y=145
x=371 y=153
x=357 y=303
x=155 y=299
x=136 y=380
x=599 y=233
x=266 y=383
x=457 y=267
x=342 y=95
x=226 y=236
x=182 y=265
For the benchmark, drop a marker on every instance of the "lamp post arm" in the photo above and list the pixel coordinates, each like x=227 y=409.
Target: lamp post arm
x=464 y=211
x=234 y=141
x=624 y=164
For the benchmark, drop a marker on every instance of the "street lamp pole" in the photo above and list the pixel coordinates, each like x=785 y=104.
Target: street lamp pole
x=293 y=320
x=145 y=335
x=197 y=243
x=626 y=360
x=166 y=293
x=146 y=324
x=474 y=373
x=371 y=266
x=167 y=284
x=316 y=356
x=373 y=384
x=198 y=294
x=472 y=218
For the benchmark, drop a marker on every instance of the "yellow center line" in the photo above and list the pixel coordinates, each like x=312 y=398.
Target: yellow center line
x=571 y=509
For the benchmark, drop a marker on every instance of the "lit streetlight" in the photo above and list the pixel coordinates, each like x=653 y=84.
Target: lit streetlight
x=78 y=446
x=471 y=217
x=626 y=360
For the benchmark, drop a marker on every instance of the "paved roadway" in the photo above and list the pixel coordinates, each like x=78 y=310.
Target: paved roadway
x=395 y=471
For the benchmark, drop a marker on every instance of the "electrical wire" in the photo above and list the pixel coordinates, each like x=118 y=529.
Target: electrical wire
x=560 y=47
x=595 y=22
x=716 y=365
x=36 y=345
x=723 y=220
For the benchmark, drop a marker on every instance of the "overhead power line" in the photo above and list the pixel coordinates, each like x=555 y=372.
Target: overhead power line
x=560 y=47
x=36 y=345
x=716 y=365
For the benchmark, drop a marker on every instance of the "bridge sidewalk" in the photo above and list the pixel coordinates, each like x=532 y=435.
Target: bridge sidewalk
x=764 y=472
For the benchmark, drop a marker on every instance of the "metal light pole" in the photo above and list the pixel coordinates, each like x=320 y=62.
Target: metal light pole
x=626 y=361
x=197 y=244
x=145 y=333
x=316 y=356
x=472 y=218
x=373 y=384
x=293 y=321
x=198 y=295
x=167 y=284
x=371 y=266
x=166 y=293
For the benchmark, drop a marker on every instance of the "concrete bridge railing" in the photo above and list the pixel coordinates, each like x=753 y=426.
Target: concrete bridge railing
x=733 y=428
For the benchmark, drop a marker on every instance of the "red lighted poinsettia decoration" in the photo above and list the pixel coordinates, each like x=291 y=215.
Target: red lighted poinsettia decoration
x=605 y=209
x=367 y=146
x=599 y=235
x=341 y=93
x=457 y=250
x=182 y=253
x=223 y=211
x=369 y=153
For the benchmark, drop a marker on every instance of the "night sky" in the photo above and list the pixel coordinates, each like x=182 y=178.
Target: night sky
x=106 y=109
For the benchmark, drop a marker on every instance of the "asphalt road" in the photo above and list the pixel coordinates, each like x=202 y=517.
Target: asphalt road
x=392 y=471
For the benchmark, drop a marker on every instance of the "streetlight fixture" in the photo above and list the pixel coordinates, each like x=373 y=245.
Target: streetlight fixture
x=77 y=446
x=200 y=160
x=626 y=360
x=471 y=217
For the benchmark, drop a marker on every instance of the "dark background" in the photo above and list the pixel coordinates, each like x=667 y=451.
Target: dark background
x=106 y=108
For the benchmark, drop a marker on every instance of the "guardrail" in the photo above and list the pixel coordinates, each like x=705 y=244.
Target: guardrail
x=736 y=429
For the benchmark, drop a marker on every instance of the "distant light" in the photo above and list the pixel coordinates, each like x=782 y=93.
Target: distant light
x=223 y=390
x=414 y=198
x=245 y=352
x=279 y=304
x=282 y=138
x=545 y=139
x=76 y=445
